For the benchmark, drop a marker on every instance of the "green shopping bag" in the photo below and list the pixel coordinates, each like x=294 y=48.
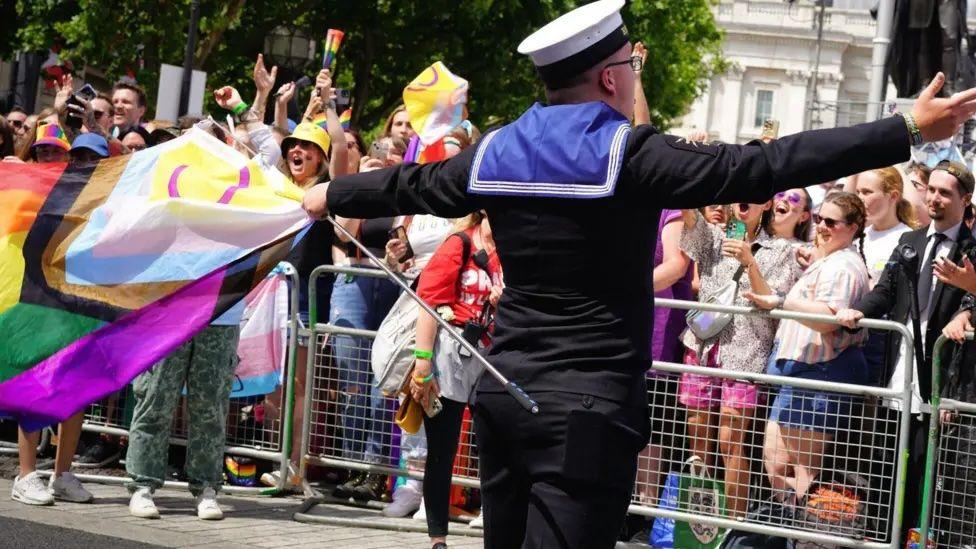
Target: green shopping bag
x=701 y=495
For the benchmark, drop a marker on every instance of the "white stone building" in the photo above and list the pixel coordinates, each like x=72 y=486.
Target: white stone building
x=771 y=48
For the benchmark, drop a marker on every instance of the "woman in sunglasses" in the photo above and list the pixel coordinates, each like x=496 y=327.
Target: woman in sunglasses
x=802 y=422
x=791 y=215
x=764 y=264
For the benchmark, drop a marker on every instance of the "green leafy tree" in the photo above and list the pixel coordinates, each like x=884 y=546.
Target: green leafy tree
x=387 y=44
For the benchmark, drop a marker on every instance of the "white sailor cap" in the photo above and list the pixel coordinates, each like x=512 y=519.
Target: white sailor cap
x=576 y=41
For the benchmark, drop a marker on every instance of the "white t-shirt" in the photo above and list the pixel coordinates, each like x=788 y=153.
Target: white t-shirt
x=878 y=246
x=426 y=233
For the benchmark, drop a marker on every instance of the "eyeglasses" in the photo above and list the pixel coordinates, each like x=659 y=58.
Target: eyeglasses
x=792 y=198
x=830 y=223
x=636 y=63
x=17 y=124
x=99 y=114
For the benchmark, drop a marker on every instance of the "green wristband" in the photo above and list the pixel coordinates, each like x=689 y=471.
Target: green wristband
x=241 y=107
x=420 y=353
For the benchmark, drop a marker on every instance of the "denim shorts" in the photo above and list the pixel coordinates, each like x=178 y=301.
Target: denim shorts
x=818 y=410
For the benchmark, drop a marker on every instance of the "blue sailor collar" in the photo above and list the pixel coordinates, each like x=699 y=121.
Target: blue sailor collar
x=565 y=151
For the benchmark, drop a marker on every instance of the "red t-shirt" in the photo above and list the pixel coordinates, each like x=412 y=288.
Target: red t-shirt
x=440 y=285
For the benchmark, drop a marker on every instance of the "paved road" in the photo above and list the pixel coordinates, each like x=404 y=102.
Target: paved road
x=23 y=533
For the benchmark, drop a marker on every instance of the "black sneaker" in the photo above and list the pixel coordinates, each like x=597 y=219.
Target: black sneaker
x=345 y=490
x=373 y=488
x=100 y=454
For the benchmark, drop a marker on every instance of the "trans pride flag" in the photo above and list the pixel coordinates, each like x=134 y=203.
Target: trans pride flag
x=106 y=269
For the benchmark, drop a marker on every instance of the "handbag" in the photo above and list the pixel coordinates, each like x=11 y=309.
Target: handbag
x=662 y=532
x=707 y=325
x=392 y=357
x=699 y=494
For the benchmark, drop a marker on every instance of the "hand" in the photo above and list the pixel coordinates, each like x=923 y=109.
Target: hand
x=961 y=277
x=285 y=93
x=395 y=249
x=421 y=392
x=806 y=255
x=314 y=107
x=739 y=249
x=849 y=317
x=264 y=80
x=323 y=84
x=495 y=295
x=368 y=164
x=640 y=50
x=314 y=202
x=946 y=416
x=938 y=118
x=86 y=113
x=698 y=136
x=763 y=301
x=65 y=89
x=957 y=327
x=227 y=97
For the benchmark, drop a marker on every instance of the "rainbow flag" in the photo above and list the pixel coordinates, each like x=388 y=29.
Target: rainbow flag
x=106 y=268
x=333 y=39
x=435 y=102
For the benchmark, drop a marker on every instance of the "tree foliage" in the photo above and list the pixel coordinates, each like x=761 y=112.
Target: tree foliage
x=387 y=43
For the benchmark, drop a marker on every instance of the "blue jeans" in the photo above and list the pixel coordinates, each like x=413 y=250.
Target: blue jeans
x=361 y=302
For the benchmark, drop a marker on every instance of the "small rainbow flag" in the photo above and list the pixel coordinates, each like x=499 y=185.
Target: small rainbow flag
x=345 y=119
x=332 y=42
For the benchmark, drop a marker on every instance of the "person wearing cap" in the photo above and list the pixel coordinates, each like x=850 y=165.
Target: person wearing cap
x=51 y=144
x=88 y=148
x=587 y=184
x=943 y=245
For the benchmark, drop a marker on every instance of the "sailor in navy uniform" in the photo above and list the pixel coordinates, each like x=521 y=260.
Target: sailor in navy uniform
x=574 y=195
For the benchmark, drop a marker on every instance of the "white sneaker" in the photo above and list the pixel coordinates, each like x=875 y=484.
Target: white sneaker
x=30 y=489
x=142 y=505
x=421 y=513
x=478 y=521
x=406 y=500
x=67 y=487
x=207 y=508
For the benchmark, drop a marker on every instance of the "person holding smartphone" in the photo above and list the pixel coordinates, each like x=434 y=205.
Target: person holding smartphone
x=745 y=250
x=462 y=282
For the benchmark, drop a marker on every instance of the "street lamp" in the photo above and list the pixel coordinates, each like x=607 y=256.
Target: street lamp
x=290 y=48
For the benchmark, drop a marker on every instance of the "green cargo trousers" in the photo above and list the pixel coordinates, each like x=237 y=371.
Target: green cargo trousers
x=206 y=364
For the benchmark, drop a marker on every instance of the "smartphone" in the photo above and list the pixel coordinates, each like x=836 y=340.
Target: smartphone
x=770 y=129
x=342 y=99
x=434 y=406
x=380 y=150
x=400 y=233
x=735 y=229
x=87 y=92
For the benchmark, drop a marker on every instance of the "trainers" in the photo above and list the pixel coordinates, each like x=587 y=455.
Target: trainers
x=421 y=513
x=406 y=500
x=141 y=504
x=207 y=508
x=100 y=454
x=478 y=521
x=271 y=479
x=67 y=487
x=30 y=489
x=345 y=490
x=373 y=488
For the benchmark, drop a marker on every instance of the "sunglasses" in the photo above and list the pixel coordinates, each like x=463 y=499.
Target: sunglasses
x=792 y=198
x=830 y=223
x=636 y=63
x=99 y=114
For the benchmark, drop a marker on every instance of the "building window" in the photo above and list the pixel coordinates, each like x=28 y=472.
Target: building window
x=764 y=107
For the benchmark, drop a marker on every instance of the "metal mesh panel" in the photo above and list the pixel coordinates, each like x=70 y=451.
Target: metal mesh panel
x=847 y=443
x=352 y=421
x=954 y=513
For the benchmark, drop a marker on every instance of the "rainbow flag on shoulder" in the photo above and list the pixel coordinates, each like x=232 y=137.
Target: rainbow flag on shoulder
x=106 y=269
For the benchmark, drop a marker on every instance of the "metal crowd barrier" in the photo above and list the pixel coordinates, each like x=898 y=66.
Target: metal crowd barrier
x=349 y=423
x=270 y=440
x=950 y=481
x=867 y=456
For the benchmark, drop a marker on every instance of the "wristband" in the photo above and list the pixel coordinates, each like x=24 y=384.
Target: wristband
x=241 y=107
x=423 y=380
x=420 y=353
x=915 y=135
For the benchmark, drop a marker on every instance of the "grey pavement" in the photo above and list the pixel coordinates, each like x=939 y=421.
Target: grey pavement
x=250 y=522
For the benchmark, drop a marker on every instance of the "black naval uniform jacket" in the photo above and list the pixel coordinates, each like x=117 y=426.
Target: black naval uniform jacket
x=577 y=311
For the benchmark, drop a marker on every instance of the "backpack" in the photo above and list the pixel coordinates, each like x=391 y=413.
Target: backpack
x=836 y=505
x=392 y=357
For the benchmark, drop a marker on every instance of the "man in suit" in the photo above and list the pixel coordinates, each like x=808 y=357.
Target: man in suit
x=949 y=191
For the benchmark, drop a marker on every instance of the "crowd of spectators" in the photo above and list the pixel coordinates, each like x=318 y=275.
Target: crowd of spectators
x=837 y=249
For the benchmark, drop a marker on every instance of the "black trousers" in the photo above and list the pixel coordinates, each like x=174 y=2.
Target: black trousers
x=443 y=431
x=562 y=478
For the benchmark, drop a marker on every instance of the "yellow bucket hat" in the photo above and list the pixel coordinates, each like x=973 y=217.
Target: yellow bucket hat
x=311 y=132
